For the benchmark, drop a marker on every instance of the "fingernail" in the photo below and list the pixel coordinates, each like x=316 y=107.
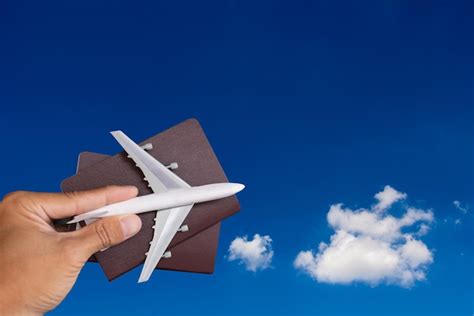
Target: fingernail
x=130 y=188
x=131 y=224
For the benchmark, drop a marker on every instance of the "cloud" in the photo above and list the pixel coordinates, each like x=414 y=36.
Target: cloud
x=458 y=205
x=387 y=197
x=424 y=229
x=457 y=221
x=371 y=247
x=370 y=223
x=255 y=254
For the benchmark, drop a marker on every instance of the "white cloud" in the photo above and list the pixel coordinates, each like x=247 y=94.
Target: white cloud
x=415 y=252
x=370 y=247
x=387 y=197
x=457 y=221
x=458 y=205
x=370 y=223
x=424 y=229
x=255 y=254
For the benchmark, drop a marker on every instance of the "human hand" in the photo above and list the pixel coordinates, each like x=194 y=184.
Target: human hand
x=38 y=265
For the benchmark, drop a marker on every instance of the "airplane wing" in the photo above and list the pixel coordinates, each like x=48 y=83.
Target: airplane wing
x=160 y=179
x=157 y=175
x=157 y=249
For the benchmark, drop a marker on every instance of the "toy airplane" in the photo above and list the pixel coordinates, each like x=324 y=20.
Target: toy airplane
x=173 y=198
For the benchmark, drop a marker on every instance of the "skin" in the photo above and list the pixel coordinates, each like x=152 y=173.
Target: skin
x=39 y=265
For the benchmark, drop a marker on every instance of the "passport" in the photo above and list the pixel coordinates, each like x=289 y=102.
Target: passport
x=186 y=144
x=203 y=244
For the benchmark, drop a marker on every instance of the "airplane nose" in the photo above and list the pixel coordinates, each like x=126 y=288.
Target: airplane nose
x=237 y=187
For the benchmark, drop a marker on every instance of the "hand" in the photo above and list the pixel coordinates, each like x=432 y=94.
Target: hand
x=38 y=265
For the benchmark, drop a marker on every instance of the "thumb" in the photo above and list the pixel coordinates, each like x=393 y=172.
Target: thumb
x=106 y=232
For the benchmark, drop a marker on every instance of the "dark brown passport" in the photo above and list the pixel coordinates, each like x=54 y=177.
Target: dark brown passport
x=183 y=255
x=185 y=144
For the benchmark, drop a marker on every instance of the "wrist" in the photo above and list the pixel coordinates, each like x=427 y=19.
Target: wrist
x=11 y=305
x=13 y=310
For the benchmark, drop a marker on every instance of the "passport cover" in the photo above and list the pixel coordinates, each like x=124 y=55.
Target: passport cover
x=183 y=254
x=185 y=144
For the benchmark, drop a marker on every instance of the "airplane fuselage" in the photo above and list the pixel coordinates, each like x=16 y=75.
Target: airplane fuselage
x=166 y=200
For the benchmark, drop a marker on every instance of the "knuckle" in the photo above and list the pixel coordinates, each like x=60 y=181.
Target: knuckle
x=73 y=196
x=105 y=234
x=13 y=196
x=14 y=200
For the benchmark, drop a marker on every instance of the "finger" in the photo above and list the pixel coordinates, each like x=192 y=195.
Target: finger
x=61 y=205
x=106 y=232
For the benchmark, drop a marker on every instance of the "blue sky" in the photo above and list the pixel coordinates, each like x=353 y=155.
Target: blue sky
x=308 y=103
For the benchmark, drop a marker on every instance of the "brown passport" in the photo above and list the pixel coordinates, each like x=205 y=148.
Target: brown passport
x=203 y=244
x=185 y=144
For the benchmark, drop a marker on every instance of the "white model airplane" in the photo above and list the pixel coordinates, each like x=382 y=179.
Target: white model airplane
x=173 y=198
